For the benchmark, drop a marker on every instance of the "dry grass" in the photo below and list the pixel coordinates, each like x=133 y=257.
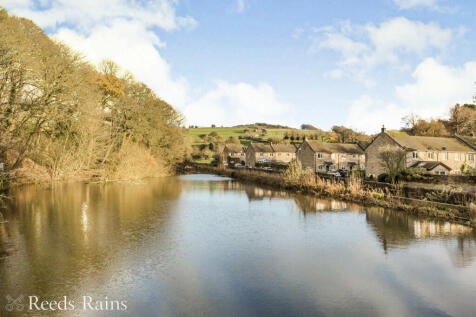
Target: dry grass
x=351 y=190
x=133 y=162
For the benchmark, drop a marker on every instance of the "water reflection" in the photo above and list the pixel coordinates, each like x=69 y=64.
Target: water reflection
x=65 y=233
x=396 y=229
x=202 y=245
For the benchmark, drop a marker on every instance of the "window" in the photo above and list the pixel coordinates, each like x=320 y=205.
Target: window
x=343 y=156
x=289 y=154
x=333 y=156
x=415 y=155
x=261 y=154
x=354 y=156
x=431 y=155
x=444 y=156
x=319 y=155
x=271 y=154
x=471 y=157
x=279 y=154
x=320 y=167
x=457 y=157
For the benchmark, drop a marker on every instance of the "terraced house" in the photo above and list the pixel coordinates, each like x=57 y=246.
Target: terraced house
x=233 y=154
x=269 y=153
x=438 y=155
x=323 y=157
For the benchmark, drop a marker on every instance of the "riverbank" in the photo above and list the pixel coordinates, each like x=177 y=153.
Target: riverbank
x=353 y=190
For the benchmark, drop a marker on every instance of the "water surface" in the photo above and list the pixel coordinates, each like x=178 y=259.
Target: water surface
x=210 y=246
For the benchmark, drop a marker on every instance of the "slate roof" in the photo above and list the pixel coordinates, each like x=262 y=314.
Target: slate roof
x=323 y=147
x=261 y=147
x=468 y=140
x=284 y=147
x=236 y=148
x=429 y=165
x=425 y=143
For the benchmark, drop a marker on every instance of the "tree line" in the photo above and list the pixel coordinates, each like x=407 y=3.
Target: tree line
x=59 y=112
x=461 y=121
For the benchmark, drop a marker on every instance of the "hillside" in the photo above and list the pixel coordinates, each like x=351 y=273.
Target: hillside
x=247 y=134
x=63 y=118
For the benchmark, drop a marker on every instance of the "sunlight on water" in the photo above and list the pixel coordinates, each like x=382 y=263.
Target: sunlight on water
x=206 y=245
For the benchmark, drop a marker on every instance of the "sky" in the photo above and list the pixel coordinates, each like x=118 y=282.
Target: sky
x=362 y=64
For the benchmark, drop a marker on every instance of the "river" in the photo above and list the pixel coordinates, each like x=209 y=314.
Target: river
x=203 y=245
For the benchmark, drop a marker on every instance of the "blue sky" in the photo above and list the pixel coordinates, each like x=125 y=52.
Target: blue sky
x=355 y=63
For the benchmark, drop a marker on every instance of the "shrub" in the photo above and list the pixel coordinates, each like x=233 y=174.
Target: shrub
x=295 y=175
x=378 y=195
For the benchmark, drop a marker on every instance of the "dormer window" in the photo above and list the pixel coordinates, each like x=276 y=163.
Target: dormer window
x=319 y=155
x=415 y=155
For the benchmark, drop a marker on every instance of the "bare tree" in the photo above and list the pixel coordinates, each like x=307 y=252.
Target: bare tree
x=392 y=159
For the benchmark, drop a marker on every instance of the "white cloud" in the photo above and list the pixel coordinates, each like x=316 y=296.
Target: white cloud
x=409 y=4
x=240 y=6
x=86 y=14
x=394 y=42
x=231 y=104
x=121 y=30
x=134 y=48
x=435 y=88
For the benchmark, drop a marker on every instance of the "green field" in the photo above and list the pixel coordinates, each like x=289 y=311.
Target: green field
x=226 y=132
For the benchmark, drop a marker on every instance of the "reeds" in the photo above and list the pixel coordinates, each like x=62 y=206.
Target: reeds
x=352 y=189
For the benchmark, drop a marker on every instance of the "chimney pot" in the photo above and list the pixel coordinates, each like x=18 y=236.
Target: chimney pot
x=383 y=129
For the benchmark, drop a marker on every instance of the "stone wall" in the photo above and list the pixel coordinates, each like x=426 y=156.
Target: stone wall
x=373 y=165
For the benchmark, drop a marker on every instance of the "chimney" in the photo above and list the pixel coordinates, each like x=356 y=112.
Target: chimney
x=383 y=129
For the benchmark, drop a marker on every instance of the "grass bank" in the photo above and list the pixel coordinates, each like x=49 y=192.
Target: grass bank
x=353 y=190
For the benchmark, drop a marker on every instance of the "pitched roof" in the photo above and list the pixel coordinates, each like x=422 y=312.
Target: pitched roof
x=429 y=165
x=261 y=147
x=363 y=144
x=284 y=147
x=425 y=143
x=468 y=140
x=234 y=147
x=318 y=146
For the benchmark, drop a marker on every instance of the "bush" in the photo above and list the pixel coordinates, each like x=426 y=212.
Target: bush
x=468 y=170
x=358 y=173
x=295 y=175
x=213 y=134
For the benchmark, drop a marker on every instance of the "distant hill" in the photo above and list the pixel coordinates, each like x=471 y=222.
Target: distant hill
x=262 y=125
x=253 y=133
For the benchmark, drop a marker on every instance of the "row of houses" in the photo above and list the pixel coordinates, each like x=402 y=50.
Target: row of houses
x=438 y=155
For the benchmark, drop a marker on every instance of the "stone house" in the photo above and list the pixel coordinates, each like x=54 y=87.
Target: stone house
x=233 y=154
x=322 y=157
x=434 y=167
x=453 y=152
x=258 y=152
x=269 y=153
x=283 y=152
